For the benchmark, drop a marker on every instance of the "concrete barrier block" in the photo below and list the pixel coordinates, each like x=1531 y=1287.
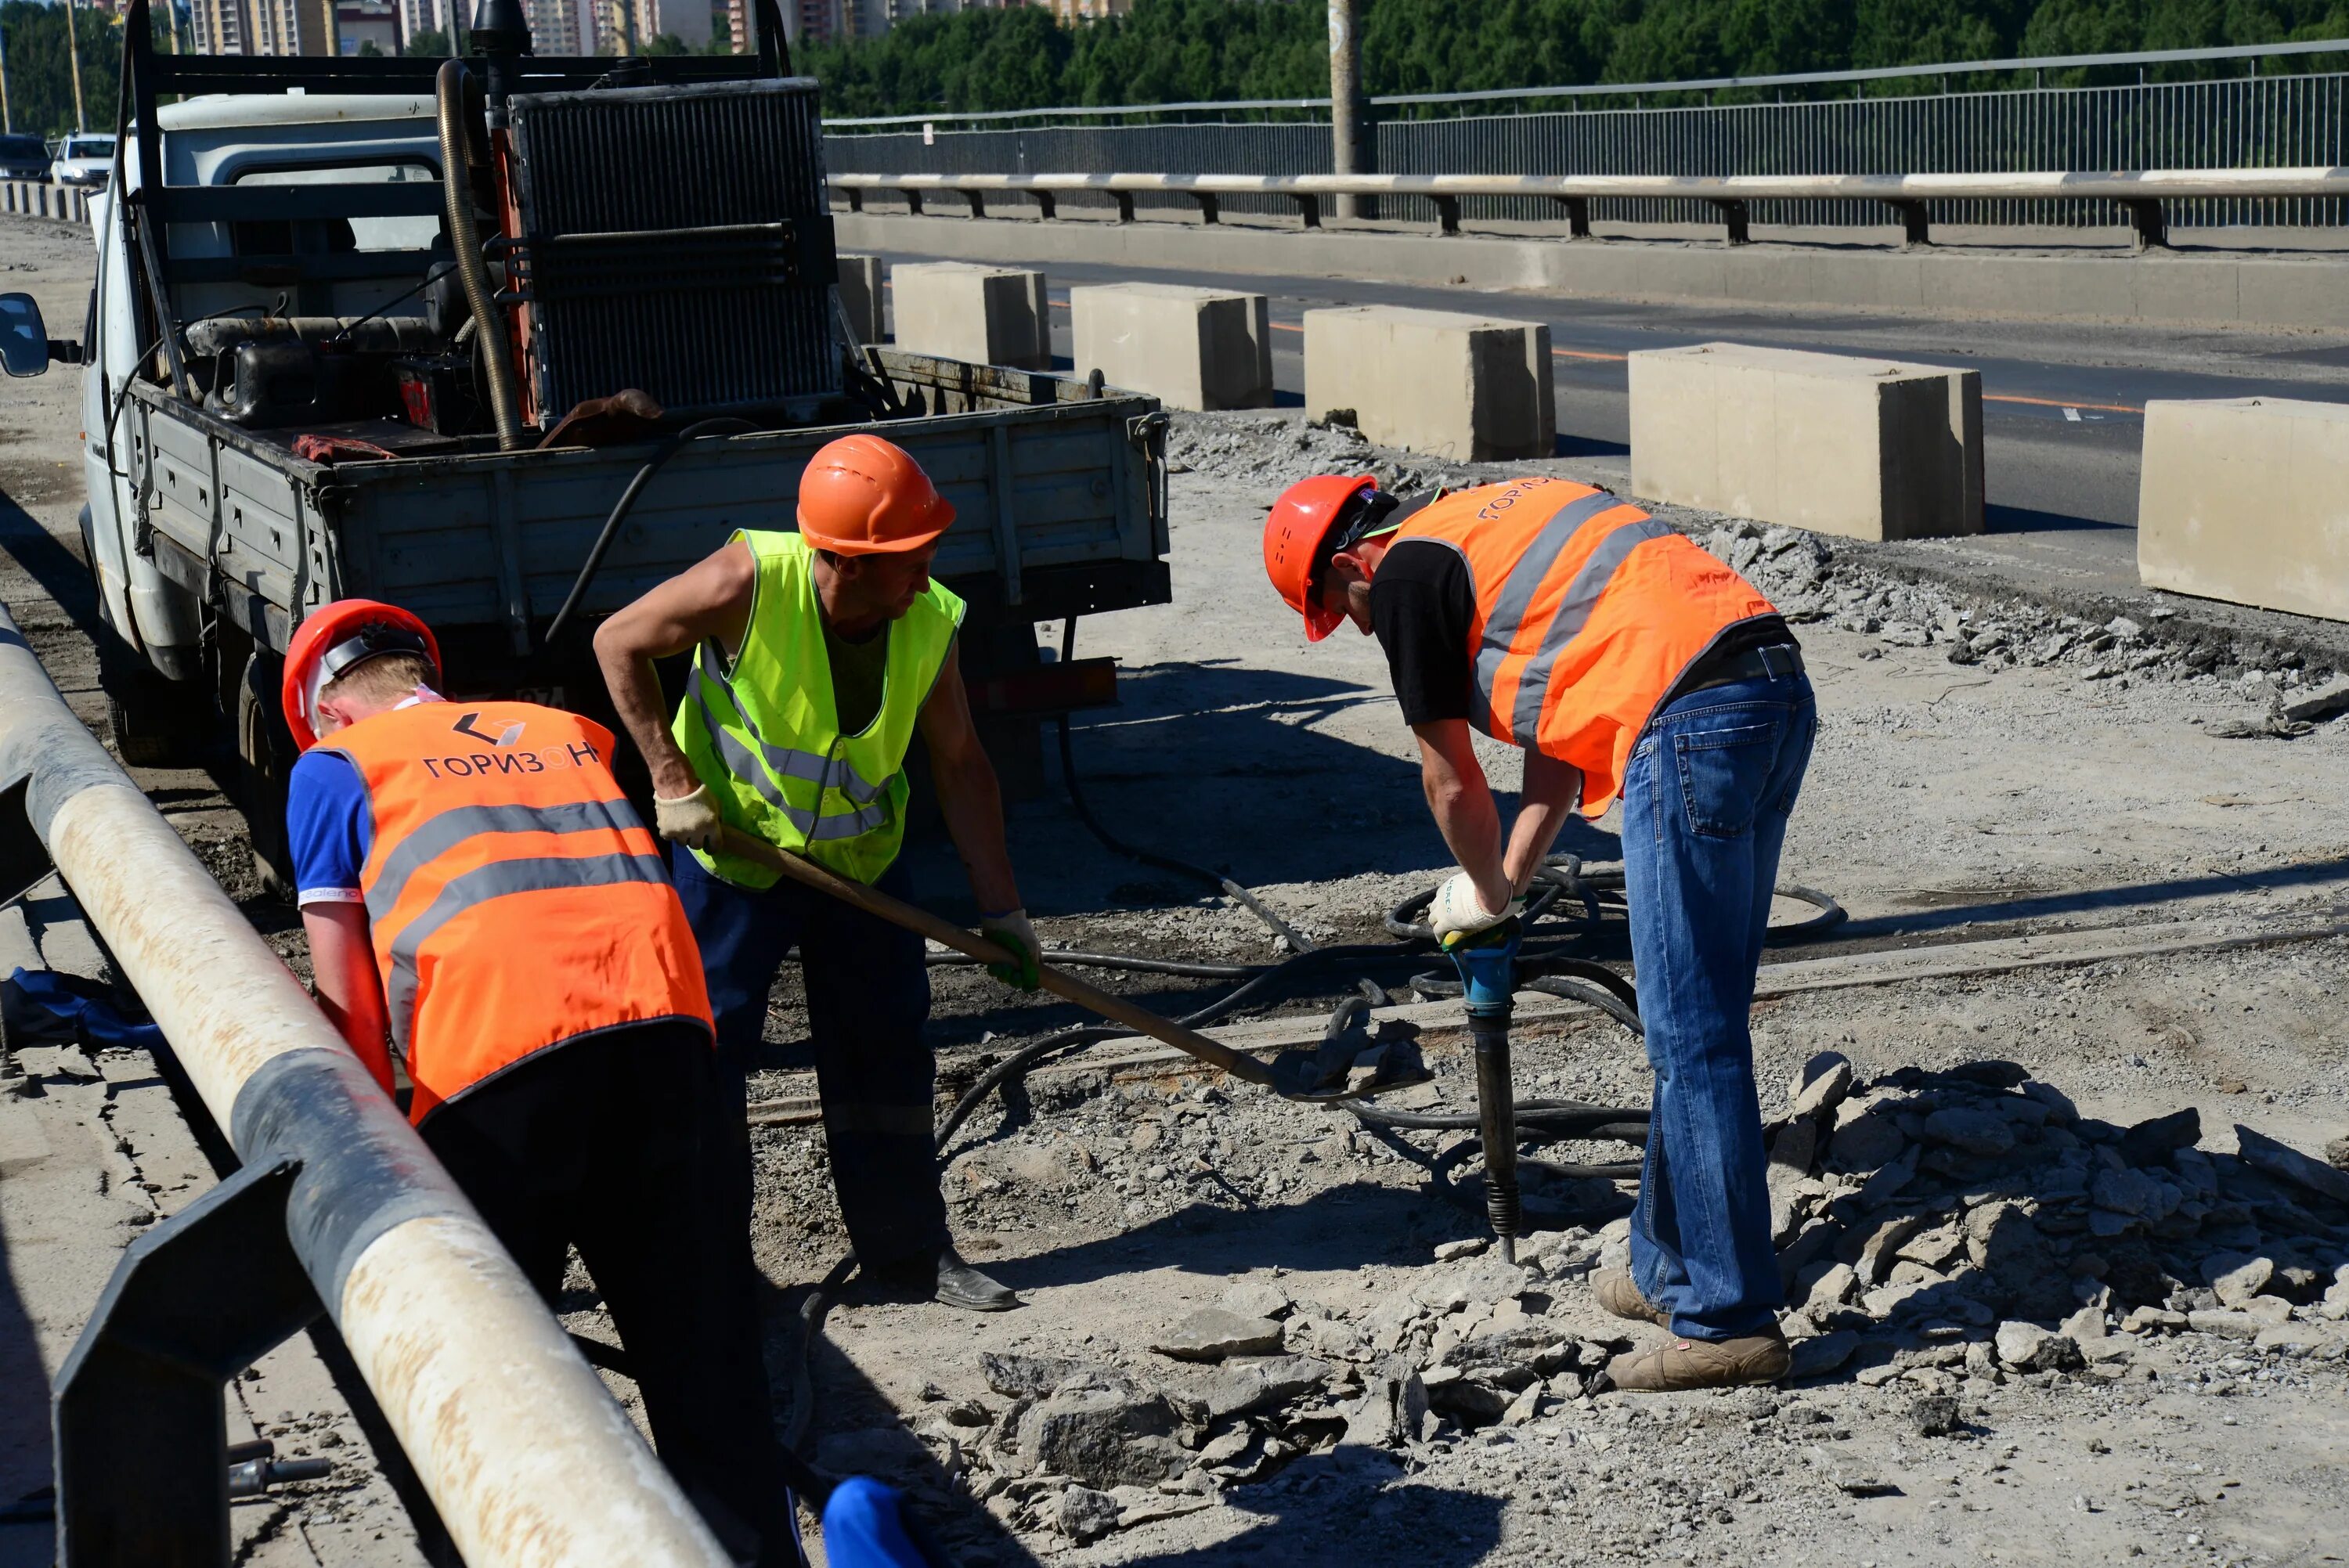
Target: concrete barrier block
x=2247 y=499
x=1471 y=388
x=1187 y=347
x=987 y=315
x=861 y=296
x=1868 y=449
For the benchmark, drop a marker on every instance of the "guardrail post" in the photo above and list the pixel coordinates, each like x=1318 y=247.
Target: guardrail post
x=855 y=199
x=1732 y=214
x=1916 y=224
x=141 y=1445
x=914 y=202
x=1308 y=208
x=1047 y=205
x=977 y=201
x=2152 y=229
x=1578 y=215
x=1447 y=214
x=1211 y=206
x=1124 y=205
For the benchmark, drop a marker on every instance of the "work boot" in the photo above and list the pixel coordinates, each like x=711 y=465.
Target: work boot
x=959 y=1284
x=1619 y=1294
x=1681 y=1364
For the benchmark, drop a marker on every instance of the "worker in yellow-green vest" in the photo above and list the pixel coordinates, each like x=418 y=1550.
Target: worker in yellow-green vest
x=818 y=655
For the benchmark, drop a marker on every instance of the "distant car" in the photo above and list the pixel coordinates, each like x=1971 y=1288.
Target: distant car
x=83 y=160
x=24 y=158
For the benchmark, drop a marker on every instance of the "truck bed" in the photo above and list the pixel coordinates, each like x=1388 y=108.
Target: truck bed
x=1059 y=492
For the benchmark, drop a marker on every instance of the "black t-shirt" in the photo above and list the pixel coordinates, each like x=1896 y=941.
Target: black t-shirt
x=1422 y=606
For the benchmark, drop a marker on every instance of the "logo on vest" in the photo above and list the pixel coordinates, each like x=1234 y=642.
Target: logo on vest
x=507 y=737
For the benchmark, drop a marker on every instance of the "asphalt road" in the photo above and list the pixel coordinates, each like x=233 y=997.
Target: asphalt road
x=2063 y=403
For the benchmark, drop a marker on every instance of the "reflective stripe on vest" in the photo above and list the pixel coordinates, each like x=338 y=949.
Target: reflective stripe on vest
x=763 y=736
x=1588 y=610
x=862 y=809
x=496 y=879
x=515 y=900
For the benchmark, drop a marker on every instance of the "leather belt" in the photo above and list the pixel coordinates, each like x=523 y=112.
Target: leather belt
x=1776 y=662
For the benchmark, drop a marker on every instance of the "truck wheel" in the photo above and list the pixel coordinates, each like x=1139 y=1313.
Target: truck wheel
x=265 y=753
x=157 y=723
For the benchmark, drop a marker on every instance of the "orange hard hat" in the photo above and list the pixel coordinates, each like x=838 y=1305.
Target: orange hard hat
x=1293 y=533
x=336 y=639
x=864 y=496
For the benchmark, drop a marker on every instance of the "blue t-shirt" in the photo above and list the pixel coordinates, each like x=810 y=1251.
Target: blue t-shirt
x=328 y=828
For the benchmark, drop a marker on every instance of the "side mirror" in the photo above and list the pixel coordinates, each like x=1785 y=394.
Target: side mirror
x=24 y=337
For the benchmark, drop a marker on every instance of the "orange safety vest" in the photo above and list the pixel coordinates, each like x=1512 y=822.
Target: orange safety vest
x=1587 y=611
x=517 y=899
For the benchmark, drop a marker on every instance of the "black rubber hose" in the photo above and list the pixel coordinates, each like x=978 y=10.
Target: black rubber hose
x=465 y=238
x=1069 y=960
x=653 y=465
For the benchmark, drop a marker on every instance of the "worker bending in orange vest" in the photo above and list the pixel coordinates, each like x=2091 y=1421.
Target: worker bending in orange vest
x=481 y=898
x=1623 y=661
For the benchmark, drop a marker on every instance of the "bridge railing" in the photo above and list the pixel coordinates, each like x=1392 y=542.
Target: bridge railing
x=2141 y=194
x=1821 y=123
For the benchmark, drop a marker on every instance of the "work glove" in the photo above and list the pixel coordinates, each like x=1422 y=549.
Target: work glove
x=1011 y=932
x=689 y=820
x=1457 y=914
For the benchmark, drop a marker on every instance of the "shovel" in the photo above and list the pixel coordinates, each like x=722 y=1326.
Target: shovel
x=945 y=932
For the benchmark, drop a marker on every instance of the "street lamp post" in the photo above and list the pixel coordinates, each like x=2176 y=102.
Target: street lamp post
x=1346 y=108
x=73 y=53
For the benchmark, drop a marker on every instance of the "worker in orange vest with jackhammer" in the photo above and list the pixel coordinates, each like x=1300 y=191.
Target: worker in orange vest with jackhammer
x=1625 y=662
x=479 y=896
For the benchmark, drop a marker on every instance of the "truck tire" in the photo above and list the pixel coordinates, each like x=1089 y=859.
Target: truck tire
x=265 y=755
x=156 y=722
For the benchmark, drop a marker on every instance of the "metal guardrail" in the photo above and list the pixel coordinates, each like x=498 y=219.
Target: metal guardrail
x=2140 y=193
x=337 y=1205
x=2034 y=63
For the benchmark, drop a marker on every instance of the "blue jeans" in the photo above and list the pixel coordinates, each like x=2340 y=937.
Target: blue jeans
x=868 y=997
x=1706 y=800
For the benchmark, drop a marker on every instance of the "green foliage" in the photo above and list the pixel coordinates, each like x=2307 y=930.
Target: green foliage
x=1173 y=51
x=428 y=42
x=40 y=75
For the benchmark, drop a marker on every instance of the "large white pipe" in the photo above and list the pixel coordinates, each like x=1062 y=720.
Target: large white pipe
x=528 y=1460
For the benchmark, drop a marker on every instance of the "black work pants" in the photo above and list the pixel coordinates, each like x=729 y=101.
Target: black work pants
x=868 y=997
x=623 y=1144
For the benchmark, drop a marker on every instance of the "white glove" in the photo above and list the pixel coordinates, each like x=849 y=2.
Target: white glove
x=1012 y=932
x=1457 y=912
x=689 y=820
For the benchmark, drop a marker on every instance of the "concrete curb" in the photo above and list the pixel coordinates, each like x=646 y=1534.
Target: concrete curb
x=41 y=199
x=2205 y=289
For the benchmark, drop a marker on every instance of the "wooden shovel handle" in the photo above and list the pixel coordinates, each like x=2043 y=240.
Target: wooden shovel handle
x=946 y=934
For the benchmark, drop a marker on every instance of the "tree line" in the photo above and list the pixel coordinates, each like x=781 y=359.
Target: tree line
x=40 y=67
x=1172 y=51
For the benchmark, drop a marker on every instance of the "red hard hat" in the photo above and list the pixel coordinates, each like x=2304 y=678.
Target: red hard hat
x=1293 y=531
x=336 y=638
x=864 y=496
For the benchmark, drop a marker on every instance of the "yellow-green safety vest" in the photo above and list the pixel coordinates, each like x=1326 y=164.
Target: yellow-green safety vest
x=764 y=736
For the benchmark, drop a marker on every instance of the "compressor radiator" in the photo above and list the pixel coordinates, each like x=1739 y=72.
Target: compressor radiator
x=674 y=239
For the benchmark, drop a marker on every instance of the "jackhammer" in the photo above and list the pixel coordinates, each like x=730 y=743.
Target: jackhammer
x=1487 y=963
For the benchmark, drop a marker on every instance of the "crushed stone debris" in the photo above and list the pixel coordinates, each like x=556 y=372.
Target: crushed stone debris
x=1948 y=1234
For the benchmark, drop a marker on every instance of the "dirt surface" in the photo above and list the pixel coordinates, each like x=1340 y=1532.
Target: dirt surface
x=1987 y=766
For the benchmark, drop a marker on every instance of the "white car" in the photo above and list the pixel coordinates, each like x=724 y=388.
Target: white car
x=83 y=160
